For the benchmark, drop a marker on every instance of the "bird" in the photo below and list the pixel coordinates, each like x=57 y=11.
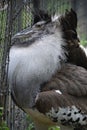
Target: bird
x=46 y=80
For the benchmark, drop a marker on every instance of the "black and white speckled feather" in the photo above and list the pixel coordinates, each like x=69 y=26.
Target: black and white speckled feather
x=68 y=116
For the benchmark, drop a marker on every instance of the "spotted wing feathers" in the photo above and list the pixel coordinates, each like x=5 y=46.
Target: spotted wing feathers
x=63 y=99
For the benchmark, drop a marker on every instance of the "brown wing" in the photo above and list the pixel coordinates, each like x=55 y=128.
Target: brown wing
x=64 y=98
x=71 y=81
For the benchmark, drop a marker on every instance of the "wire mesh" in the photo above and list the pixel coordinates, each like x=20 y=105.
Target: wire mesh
x=12 y=20
x=16 y=15
x=3 y=13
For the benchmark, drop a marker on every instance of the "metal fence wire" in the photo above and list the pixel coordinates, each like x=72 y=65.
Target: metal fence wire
x=16 y=15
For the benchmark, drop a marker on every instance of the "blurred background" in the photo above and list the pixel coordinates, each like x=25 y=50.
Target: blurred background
x=16 y=15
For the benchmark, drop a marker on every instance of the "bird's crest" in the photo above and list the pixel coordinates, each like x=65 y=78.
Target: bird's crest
x=69 y=20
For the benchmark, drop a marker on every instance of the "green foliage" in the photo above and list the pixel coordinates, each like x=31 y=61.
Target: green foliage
x=84 y=42
x=1 y=114
x=31 y=126
x=3 y=125
x=54 y=128
x=30 y=123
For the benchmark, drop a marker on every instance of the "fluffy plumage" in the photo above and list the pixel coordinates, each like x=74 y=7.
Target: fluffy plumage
x=34 y=63
x=42 y=82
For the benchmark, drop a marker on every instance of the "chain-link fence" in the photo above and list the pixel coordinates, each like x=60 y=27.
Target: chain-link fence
x=16 y=15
